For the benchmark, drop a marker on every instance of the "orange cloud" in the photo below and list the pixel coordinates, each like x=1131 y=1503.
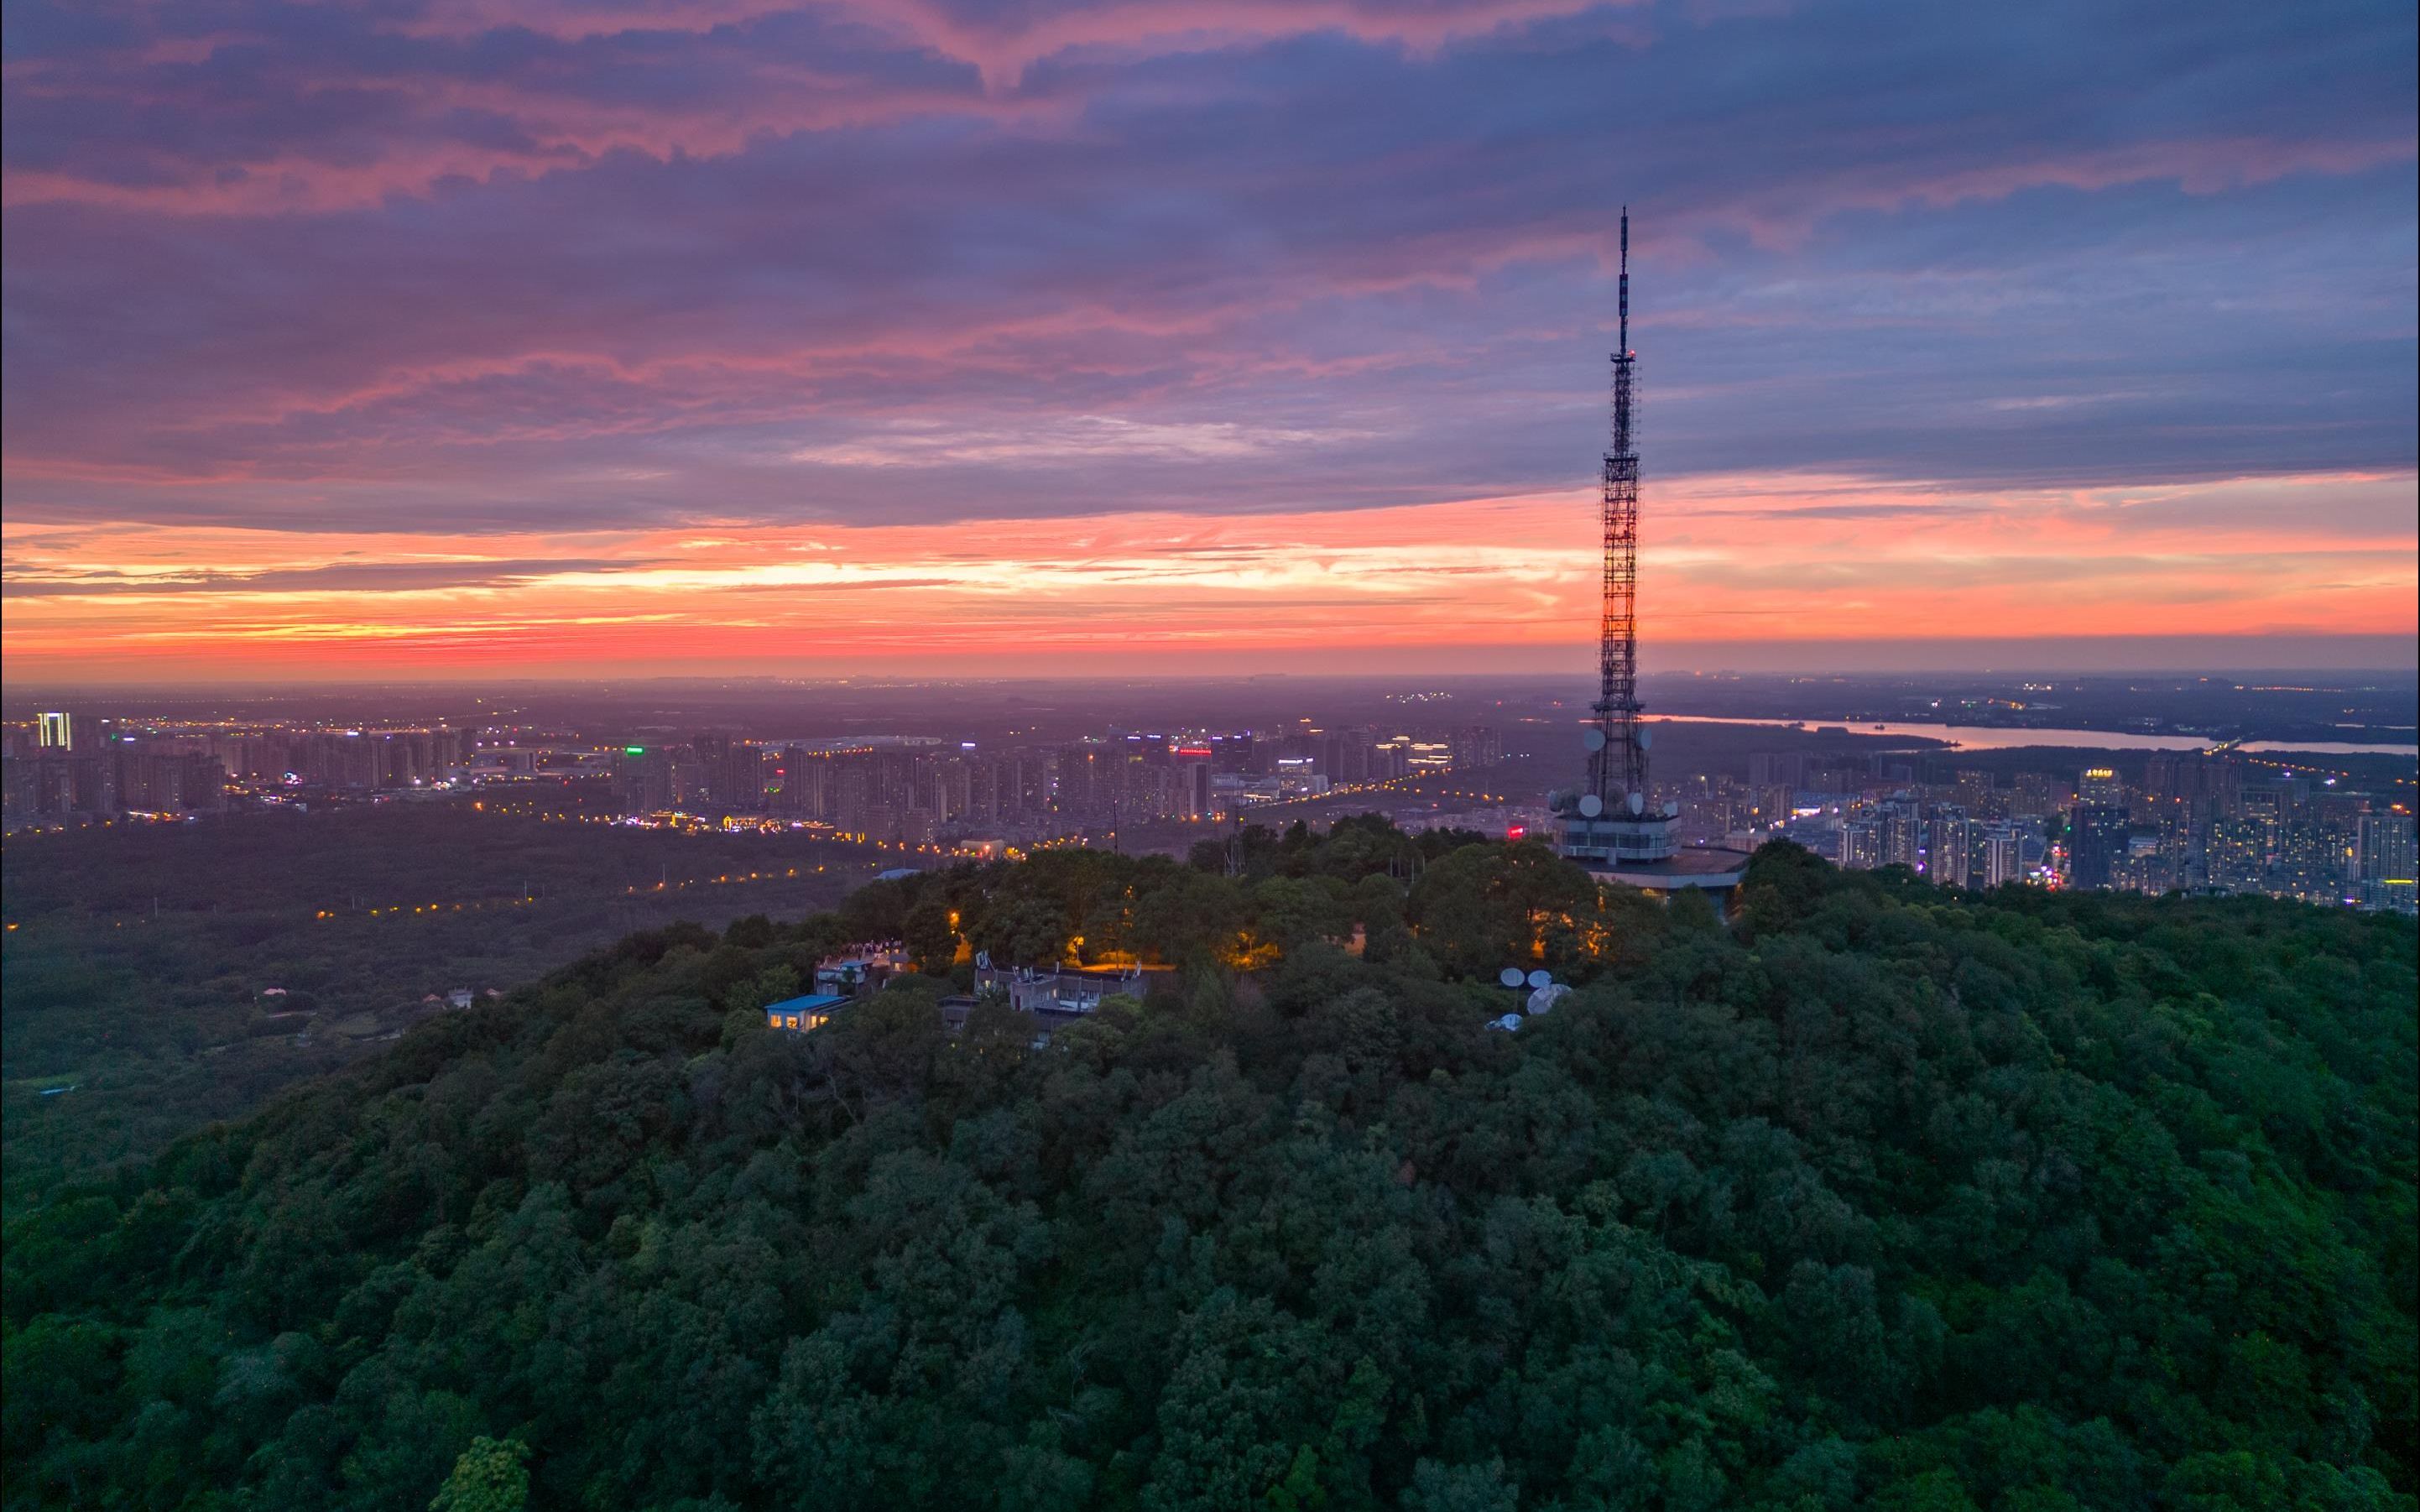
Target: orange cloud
x=1742 y=559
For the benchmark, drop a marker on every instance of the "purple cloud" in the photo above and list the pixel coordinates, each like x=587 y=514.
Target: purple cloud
x=459 y=269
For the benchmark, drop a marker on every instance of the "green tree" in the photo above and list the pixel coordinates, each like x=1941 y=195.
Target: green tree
x=1029 y=932
x=930 y=933
x=1483 y=907
x=491 y=1476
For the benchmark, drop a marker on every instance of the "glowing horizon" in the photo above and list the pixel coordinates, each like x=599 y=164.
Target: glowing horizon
x=1739 y=561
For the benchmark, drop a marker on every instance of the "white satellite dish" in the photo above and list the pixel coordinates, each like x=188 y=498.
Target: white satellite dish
x=1510 y=975
x=1646 y=738
x=1510 y=1021
x=1591 y=805
x=1639 y=803
x=1538 y=979
x=1592 y=738
x=1671 y=808
x=1547 y=997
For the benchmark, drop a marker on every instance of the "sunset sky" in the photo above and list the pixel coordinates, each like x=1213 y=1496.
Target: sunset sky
x=468 y=338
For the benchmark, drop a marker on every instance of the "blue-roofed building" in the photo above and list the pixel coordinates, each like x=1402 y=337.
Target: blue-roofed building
x=799 y=1015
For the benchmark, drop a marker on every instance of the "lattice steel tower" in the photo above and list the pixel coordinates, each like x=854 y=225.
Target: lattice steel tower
x=1609 y=821
x=1619 y=768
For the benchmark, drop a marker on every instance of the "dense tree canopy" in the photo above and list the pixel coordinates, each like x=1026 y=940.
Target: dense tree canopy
x=1875 y=1195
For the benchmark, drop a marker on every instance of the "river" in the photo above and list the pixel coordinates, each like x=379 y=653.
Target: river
x=1993 y=737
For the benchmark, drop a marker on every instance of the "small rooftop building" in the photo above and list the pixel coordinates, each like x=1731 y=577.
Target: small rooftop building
x=799 y=1015
x=862 y=970
x=1065 y=990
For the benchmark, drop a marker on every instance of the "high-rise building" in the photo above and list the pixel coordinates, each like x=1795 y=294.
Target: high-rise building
x=1771 y=769
x=1194 y=781
x=1888 y=768
x=737 y=780
x=2387 y=858
x=1951 y=852
x=952 y=790
x=2037 y=795
x=2240 y=851
x=643 y=779
x=1475 y=748
x=2096 y=840
x=1861 y=843
x=2194 y=776
x=2139 y=867
x=854 y=798
x=1903 y=835
x=1345 y=753
x=802 y=782
x=2101 y=787
x=20 y=790
x=2000 y=856
x=1086 y=785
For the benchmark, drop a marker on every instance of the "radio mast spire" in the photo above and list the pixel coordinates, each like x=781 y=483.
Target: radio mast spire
x=1614 y=822
x=1625 y=278
x=1613 y=828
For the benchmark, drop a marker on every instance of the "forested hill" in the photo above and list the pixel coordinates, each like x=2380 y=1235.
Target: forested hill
x=1881 y=1197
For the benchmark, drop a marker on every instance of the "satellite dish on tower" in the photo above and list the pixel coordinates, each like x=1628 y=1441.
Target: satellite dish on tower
x=1671 y=808
x=1646 y=738
x=1538 y=979
x=1591 y=805
x=1510 y=975
x=1639 y=803
x=1592 y=738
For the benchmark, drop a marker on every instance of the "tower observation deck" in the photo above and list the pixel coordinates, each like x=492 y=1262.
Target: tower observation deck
x=1612 y=825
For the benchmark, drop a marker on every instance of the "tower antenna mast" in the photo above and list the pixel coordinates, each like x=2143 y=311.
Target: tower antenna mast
x=1612 y=826
x=1618 y=766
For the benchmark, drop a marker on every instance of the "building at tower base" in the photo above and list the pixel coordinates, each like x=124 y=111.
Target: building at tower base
x=1638 y=850
x=1689 y=869
x=1639 y=836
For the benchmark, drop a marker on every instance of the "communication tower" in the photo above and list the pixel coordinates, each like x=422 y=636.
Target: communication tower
x=1612 y=820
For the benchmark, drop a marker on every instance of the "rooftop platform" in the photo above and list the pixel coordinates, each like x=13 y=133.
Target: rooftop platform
x=1700 y=867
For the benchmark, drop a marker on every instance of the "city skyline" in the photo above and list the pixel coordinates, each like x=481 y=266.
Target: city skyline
x=1133 y=339
x=2202 y=818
